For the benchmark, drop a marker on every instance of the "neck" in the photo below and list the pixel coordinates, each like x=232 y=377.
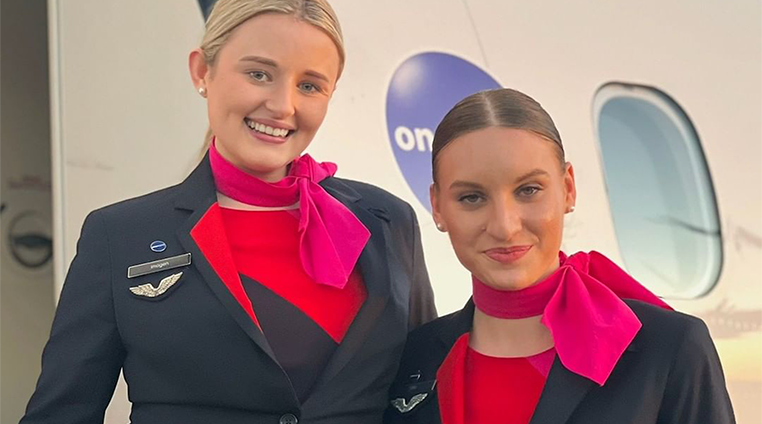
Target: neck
x=272 y=176
x=230 y=203
x=502 y=337
x=507 y=323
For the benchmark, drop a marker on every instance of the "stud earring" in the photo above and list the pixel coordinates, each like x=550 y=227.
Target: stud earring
x=202 y=91
x=440 y=227
x=571 y=209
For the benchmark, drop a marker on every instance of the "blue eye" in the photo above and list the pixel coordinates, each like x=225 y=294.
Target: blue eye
x=470 y=199
x=528 y=191
x=258 y=76
x=309 y=87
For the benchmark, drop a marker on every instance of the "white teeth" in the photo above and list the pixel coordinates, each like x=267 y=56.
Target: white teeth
x=276 y=132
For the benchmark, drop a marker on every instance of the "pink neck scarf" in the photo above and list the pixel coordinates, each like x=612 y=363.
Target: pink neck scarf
x=581 y=304
x=331 y=237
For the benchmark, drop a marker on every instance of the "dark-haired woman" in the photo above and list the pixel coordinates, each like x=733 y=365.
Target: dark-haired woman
x=547 y=337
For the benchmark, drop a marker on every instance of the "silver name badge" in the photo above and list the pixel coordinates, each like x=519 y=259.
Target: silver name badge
x=159 y=265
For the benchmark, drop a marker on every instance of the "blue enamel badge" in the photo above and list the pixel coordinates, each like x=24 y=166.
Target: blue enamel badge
x=158 y=246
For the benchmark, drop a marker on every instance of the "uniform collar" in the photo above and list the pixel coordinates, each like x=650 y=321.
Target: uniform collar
x=198 y=191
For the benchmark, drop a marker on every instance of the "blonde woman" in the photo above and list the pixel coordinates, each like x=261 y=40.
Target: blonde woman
x=262 y=289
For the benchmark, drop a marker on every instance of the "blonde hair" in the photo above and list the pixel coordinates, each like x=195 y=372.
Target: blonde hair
x=227 y=15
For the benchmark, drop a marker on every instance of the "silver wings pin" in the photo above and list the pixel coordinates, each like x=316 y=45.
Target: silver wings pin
x=148 y=290
x=404 y=406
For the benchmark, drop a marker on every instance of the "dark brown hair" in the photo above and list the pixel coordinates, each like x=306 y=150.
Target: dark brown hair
x=502 y=107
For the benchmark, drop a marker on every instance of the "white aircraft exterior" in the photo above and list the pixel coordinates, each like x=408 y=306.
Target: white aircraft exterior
x=659 y=105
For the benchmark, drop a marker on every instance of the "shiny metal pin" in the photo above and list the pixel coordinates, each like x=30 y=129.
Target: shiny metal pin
x=404 y=407
x=148 y=290
x=158 y=246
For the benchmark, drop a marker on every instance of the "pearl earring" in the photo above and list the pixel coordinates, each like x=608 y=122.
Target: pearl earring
x=440 y=227
x=571 y=209
x=202 y=91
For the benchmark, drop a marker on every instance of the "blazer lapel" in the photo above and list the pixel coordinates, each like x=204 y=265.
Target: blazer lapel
x=375 y=264
x=563 y=391
x=459 y=324
x=210 y=251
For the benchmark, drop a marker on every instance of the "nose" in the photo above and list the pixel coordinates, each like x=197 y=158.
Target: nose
x=504 y=220
x=281 y=100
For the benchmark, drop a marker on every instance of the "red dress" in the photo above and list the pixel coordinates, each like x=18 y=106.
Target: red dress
x=478 y=389
x=304 y=322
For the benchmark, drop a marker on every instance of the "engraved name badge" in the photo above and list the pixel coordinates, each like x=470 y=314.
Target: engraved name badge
x=159 y=265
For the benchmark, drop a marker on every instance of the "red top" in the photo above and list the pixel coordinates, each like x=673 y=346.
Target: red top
x=331 y=237
x=478 y=389
x=265 y=247
x=500 y=390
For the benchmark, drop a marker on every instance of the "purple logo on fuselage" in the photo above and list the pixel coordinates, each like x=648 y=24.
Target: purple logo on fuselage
x=422 y=90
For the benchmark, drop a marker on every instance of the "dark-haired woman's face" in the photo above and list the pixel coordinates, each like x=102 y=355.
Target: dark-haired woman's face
x=501 y=194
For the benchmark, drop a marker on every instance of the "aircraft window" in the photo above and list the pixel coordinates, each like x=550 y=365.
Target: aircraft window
x=660 y=192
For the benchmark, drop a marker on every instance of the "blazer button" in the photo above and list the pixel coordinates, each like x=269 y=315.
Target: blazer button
x=288 y=419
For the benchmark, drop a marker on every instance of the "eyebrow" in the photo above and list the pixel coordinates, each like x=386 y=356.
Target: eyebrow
x=533 y=173
x=272 y=63
x=318 y=75
x=473 y=185
x=259 y=59
x=464 y=184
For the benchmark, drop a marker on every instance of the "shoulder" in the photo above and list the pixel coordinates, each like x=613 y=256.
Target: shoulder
x=438 y=328
x=695 y=389
x=670 y=330
x=377 y=197
x=427 y=347
x=664 y=322
x=432 y=341
x=150 y=205
x=425 y=336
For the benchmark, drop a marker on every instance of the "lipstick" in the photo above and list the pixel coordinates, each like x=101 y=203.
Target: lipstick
x=507 y=255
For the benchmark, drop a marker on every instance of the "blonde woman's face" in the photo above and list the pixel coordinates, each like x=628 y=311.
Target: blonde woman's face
x=268 y=92
x=501 y=195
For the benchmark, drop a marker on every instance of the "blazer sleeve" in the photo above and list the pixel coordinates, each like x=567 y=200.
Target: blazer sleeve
x=696 y=392
x=422 y=307
x=83 y=357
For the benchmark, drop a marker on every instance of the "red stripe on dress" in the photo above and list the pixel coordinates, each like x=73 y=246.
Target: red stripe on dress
x=209 y=235
x=265 y=247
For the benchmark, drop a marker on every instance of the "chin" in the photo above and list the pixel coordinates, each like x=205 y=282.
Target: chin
x=264 y=163
x=507 y=280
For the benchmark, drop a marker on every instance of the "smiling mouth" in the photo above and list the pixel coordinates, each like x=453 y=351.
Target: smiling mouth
x=508 y=255
x=268 y=130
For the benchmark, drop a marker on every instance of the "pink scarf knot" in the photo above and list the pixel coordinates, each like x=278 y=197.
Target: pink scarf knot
x=581 y=304
x=331 y=237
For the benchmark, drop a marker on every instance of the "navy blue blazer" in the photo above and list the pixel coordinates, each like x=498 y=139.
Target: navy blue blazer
x=192 y=354
x=670 y=374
